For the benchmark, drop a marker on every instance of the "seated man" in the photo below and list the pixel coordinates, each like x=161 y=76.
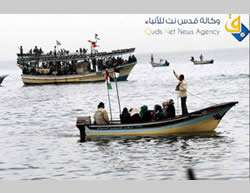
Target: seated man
x=101 y=115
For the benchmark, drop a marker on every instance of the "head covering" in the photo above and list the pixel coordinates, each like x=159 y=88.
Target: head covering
x=157 y=108
x=143 y=111
x=133 y=111
x=125 y=111
x=171 y=101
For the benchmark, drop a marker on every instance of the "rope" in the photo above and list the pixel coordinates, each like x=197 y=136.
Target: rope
x=202 y=98
x=177 y=99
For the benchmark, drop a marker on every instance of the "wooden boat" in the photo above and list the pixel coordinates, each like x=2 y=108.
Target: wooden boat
x=87 y=77
x=201 y=61
x=50 y=69
x=204 y=120
x=160 y=64
x=2 y=77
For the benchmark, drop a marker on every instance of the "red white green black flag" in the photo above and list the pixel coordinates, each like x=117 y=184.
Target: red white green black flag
x=96 y=37
x=58 y=43
x=108 y=80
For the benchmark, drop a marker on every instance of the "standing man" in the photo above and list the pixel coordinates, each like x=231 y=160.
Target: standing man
x=201 y=57
x=182 y=88
x=21 y=50
x=54 y=50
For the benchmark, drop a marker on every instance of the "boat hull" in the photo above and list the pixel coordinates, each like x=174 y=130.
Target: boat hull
x=78 y=78
x=159 y=65
x=203 y=62
x=205 y=120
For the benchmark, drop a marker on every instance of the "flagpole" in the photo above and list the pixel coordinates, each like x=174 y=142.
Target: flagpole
x=117 y=92
x=109 y=105
x=107 y=76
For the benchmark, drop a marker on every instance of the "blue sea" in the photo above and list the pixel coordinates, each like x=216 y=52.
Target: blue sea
x=39 y=138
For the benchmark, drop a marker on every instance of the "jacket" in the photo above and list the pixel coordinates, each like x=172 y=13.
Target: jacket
x=182 y=87
x=101 y=117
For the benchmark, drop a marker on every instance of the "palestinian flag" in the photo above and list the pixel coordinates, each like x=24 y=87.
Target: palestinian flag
x=93 y=44
x=116 y=74
x=108 y=80
x=58 y=43
x=96 y=37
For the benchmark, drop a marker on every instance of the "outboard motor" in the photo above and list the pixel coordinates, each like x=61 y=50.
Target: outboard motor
x=81 y=122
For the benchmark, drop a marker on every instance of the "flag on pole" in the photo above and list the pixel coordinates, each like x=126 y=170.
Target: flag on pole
x=116 y=74
x=93 y=44
x=108 y=80
x=96 y=37
x=58 y=43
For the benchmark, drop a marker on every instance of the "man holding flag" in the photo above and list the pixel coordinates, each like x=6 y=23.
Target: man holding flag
x=56 y=47
x=93 y=44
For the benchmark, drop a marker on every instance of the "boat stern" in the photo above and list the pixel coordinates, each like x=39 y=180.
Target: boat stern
x=81 y=123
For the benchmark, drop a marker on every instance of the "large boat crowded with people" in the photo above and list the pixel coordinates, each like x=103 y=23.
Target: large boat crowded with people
x=61 y=66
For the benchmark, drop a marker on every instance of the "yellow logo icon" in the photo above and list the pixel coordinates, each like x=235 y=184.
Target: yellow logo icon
x=234 y=25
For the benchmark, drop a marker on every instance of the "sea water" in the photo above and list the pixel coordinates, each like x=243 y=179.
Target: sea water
x=39 y=138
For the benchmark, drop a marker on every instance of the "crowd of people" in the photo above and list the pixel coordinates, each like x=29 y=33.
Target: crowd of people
x=70 y=66
x=55 y=52
x=133 y=115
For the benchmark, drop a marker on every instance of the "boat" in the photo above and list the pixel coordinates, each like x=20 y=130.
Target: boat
x=75 y=68
x=2 y=77
x=162 y=63
x=203 y=120
x=201 y=61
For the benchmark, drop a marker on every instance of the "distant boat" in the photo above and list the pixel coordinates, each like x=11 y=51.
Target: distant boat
x=201 y=61
x=162 y=63
x=204 y=120
x=2 y=77
x=39 y=68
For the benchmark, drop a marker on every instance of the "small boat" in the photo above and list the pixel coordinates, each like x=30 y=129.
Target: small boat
x=204 y=120
x=75 y=67
x=162 y=63
x=201 y=61
x=2 y=77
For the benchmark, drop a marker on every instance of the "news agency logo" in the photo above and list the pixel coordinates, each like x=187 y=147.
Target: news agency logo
x=236 y=28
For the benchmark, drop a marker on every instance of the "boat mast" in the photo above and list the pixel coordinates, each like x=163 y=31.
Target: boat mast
x=117 y=92
x=107 y=82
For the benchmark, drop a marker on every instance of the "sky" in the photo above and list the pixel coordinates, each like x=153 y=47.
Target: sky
x=116 y=32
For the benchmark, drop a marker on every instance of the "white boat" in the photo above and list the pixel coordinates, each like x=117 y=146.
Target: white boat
x=162 y=63
x=201 y=61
